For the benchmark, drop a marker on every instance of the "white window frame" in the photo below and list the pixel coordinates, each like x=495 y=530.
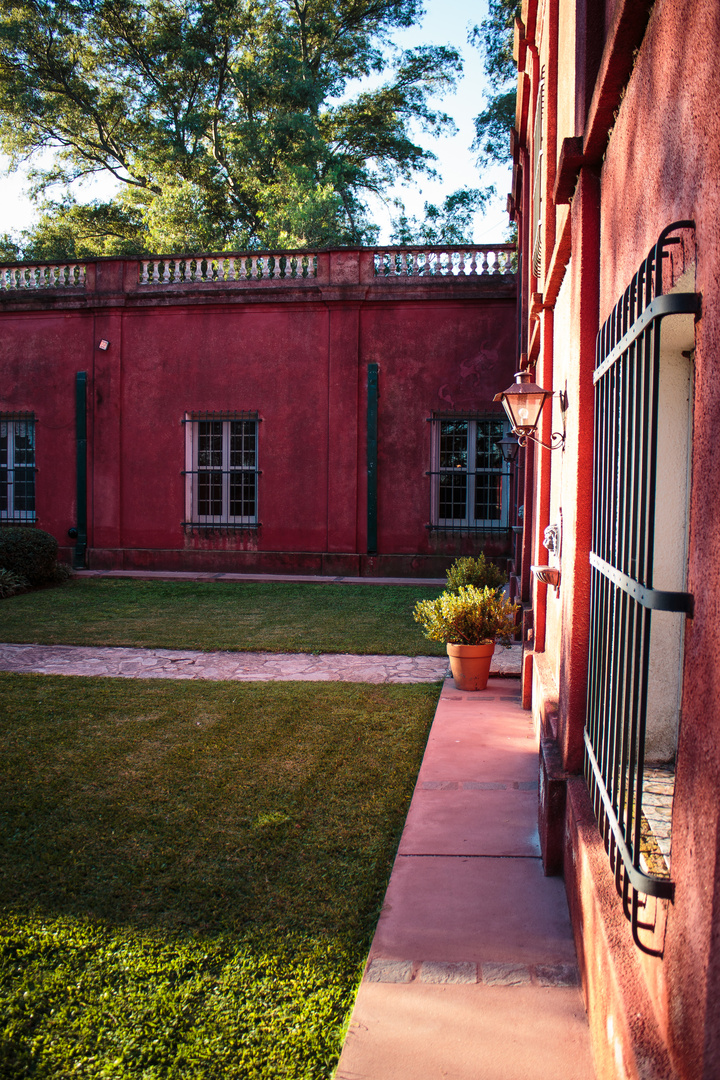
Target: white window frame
x=223 y=469
x=470 y=473
x=12 y=427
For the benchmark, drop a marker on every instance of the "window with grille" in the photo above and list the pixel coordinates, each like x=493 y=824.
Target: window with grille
x=221 y=470
x=637 y=608
x=17 y=467
x=470 y=481
x=538 y=210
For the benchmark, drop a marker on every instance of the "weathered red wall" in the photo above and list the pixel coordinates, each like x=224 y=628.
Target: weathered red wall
x=296 y=355
x=673 y=172
x=646 y=137
x=663 y=164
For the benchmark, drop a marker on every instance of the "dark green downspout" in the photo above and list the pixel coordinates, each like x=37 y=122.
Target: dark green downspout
x=372 y=457
x=81 y=468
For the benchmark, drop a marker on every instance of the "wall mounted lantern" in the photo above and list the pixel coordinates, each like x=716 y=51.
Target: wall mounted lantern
x=508 y=448
x=523 y=402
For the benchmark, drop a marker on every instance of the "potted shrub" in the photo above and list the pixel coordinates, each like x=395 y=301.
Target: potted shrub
x=470 y=622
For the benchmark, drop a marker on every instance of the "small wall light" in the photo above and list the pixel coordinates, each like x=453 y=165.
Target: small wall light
x=508 y=448
x=523 y=402
x=104 y=345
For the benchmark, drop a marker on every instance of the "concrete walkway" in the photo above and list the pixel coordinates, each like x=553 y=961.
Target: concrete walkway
x=243 y=666
x=472 y=972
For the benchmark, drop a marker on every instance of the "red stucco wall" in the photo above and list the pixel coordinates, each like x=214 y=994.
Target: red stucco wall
x=297 y=358
x=645 y=139
x=663 y=164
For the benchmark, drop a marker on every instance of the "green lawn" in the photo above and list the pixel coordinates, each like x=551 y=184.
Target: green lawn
x=191 y=872
x=272 y=617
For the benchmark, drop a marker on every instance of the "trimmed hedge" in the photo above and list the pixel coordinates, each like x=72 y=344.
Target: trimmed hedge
x=29 y=552
x=479 y=572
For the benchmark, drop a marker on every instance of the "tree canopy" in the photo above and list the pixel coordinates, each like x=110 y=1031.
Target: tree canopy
x=494 y=37
x=226 y=123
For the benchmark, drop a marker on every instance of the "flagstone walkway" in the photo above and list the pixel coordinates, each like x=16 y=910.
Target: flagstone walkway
x=242 y=666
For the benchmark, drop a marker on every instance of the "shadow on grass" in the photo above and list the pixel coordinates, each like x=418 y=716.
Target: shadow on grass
x=205 y=806
x=191 y=872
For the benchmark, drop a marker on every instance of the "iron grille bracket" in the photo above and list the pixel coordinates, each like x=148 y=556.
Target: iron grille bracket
x=656 y=599
x=660 y=308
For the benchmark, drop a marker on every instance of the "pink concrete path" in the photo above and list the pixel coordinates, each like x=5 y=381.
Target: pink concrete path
x=472 y=972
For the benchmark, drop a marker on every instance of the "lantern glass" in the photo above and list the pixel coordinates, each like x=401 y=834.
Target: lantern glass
x=523 y=402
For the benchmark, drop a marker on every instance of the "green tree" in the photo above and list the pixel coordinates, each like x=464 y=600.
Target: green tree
x=226 y=123
x=451 y=223
x=494 y=38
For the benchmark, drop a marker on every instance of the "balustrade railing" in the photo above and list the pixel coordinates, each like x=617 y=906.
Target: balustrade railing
x=46 y=276
x=474 y=260
x=211 y=269
x=401 y=264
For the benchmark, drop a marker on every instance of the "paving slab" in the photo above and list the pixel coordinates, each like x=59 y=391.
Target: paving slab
x=477 y=909
x=472 y=973
x=481 y=736
x=472 y=821
x=418 y=1031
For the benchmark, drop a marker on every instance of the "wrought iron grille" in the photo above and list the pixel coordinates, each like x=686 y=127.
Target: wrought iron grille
x=221 y=471
x=470 y=482
x=622 y=595
x=17 y=468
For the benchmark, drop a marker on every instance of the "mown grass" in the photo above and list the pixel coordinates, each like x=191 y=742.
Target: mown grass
x=190 y=873
x=272 y=617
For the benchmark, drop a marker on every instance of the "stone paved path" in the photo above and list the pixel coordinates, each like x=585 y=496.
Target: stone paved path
x=263 y=666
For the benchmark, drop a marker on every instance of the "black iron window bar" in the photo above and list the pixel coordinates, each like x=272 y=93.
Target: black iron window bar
x=469 y=481
x=622 y=594
x=17 y=468
x=221 y=472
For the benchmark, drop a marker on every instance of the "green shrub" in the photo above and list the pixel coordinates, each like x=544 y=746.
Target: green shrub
x=31 y=553
x=469 y=616
x=479 y=572
x=11 y=583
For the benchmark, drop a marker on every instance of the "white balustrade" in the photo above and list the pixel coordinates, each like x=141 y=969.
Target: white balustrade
x=445 y=261
x=217 y=269
x=392 y=263
x=43 y=276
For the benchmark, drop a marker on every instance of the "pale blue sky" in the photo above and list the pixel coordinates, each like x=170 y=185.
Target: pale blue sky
x=445 y=22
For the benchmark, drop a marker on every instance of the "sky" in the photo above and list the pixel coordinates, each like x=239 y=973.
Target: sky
x=445 y=22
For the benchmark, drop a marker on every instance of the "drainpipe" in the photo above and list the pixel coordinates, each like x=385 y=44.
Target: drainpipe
x=372 y=457
x=80 y=532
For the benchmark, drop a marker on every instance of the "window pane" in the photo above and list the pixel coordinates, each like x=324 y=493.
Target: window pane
x=24 y=490
x=242 y=444
x=17 y=469
x=453 y=495
x=242 y=494
x=453 y=444
x=209 y=494
x=487 y=455
x=488 y=497
x=210 y=444
x=3 y=467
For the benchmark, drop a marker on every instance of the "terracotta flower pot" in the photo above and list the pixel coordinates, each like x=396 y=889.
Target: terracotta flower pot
x=470 y=664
